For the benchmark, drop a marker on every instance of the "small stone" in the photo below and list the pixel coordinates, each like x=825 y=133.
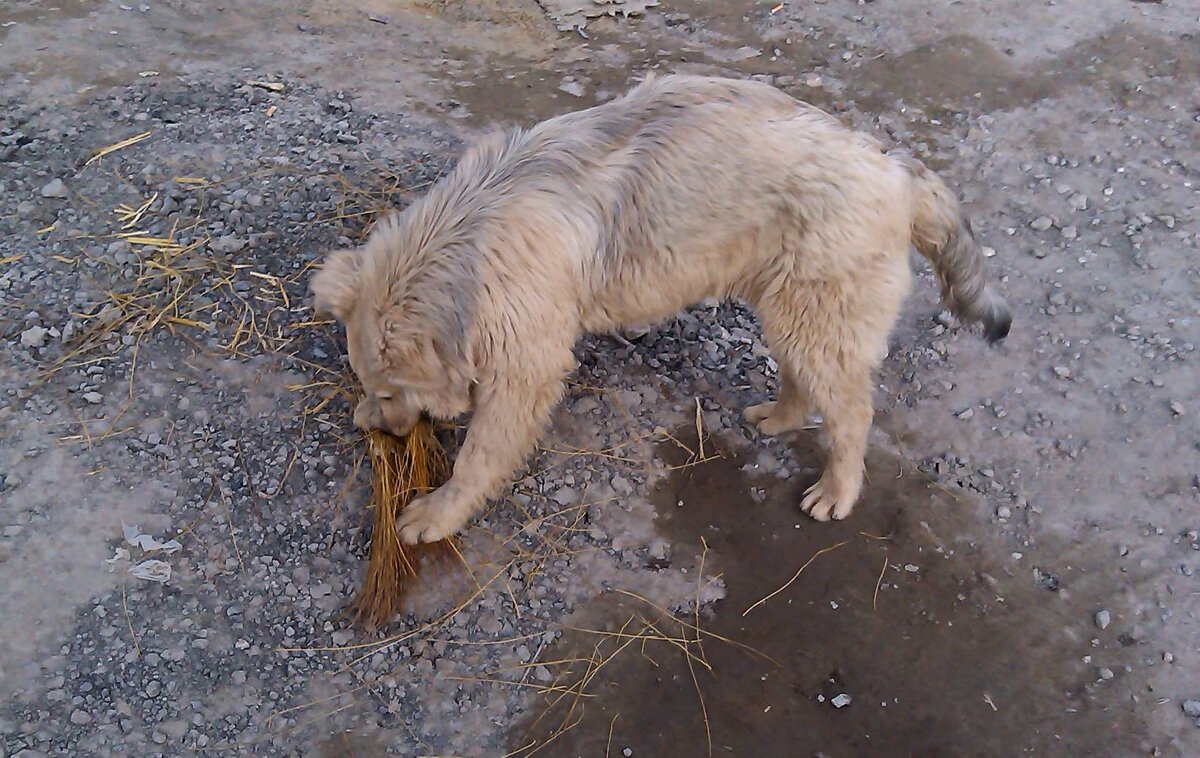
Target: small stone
x=964 y=415
x=228 y=244
x=95 y=398
x=812 y=80
x=1176 y=407
x=34 y=336
x=1192 y=708
x=1079 y=201
x=55 y=188
x=239 y=677
x=1041 y=224
x=573 y=88
x=1103 y=619
x=1070 y=232
x=841 y=701
x=1106 y=673
x=1062 y=372
x=80 y=717
x=1003 y=512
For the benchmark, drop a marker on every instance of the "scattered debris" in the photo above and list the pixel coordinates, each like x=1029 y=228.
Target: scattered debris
x=135 y=537
x=151 y=571
x=272 y=86
x=573 y=15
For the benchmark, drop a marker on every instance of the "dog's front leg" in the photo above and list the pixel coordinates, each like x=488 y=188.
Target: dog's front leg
x=509 y=417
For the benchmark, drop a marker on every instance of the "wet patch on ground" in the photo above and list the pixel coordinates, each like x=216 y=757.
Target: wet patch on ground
x=899 y=636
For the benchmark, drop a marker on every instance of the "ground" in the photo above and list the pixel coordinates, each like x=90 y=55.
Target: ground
x=1020 y=577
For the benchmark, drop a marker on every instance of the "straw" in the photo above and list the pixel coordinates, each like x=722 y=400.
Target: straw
x=401 y=470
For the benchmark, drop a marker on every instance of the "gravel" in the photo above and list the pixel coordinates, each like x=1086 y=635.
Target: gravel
x=1052 y=434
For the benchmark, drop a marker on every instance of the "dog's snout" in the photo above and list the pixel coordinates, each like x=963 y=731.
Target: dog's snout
x=391 y=415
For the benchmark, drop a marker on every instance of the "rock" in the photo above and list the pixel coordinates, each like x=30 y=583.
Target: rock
x=95 y=398
x=34 y=336
x=1041 y=224
x=228 y=244
x=573 y=88
x=1192 y=708
x=1176 y=408
x=841 y=701
x=80 y=717
x=1079 y=202
x=1103 y=619
x=55 y=189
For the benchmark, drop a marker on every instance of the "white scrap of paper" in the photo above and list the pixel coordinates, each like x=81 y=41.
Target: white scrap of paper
x=134 y=536
x=152 y=571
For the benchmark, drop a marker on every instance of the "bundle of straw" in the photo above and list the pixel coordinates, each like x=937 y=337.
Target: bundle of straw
x=401 y=469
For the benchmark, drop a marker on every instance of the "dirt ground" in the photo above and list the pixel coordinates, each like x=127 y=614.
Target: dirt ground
x=1020 y=577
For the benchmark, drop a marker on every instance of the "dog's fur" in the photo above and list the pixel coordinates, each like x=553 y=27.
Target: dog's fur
x=623 y=214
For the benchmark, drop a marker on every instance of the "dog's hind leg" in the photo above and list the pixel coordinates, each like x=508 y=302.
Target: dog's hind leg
x=840 y=387
x=509 y=416
x=827 y=344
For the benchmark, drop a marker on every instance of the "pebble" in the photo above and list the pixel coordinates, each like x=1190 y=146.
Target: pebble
x=841 y=701
x=573 y=88
x=55 y=189
x=228 y=244
x=1103 y=619
x=34 y=336
x=1041 y=224
x=80 y=717
x=95 y=398
x=1192 y=708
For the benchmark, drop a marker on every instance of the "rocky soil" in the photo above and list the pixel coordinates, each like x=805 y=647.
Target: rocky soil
x=164 y=380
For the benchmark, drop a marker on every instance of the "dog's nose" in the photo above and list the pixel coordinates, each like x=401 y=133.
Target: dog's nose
x=368 y=415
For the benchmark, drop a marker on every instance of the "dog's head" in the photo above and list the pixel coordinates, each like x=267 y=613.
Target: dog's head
x=406 y=330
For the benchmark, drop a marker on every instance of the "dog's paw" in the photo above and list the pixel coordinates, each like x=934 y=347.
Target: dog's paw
x=825 y=500
x=769 y=420
x=429 y=518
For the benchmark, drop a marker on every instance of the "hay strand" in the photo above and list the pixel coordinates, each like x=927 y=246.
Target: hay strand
x=401 y=469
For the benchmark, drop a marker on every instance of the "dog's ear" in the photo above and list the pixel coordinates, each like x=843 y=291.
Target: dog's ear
x=335 y=286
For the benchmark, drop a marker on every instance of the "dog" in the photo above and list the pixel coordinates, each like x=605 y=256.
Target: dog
x=686 y=187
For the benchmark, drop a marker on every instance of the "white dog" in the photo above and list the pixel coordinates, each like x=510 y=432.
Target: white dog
x=623 y=214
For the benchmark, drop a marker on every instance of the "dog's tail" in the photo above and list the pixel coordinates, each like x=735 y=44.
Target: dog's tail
x=942 y=233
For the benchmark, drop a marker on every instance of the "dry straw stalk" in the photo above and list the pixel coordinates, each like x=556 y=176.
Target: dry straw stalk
x=401 y=469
